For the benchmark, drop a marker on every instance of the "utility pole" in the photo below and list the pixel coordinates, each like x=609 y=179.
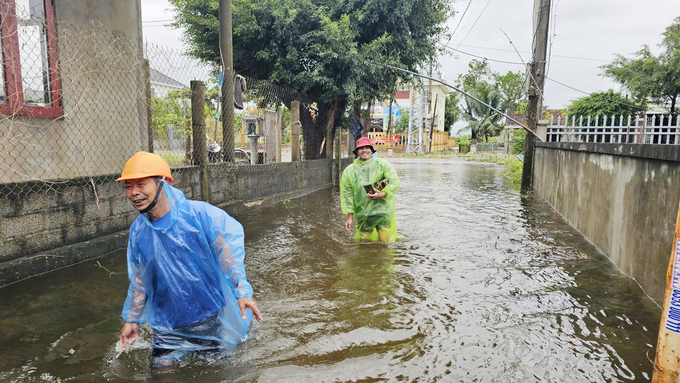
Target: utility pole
x=421 y=120
x=667 y=362
x=227 y=57
x=411 y=116
x=536 y=81
x=431 y=109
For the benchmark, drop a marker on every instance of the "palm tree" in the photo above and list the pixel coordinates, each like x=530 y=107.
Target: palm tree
x=482 y=120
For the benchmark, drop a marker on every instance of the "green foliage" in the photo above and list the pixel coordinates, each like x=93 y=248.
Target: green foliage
x=451 y=111
x=651 y=78
x=518 y=136
x=514 y=173
x=402 y=123
x=169 y=111
x=463 y=142
x=503 y=92
x=511 y=87
x=482 y=120
x=324 y=49
x=609 y=103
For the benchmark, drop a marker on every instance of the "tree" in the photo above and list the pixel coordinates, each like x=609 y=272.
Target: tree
x=484 y=121
x=511 y=87
x=609 y=103
x=451 y=111
x=651 y=78
x=324 y=49
x=479 y=81
x=402 y=122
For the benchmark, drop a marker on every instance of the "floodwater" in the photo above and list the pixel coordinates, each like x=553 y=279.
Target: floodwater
x=484 y=287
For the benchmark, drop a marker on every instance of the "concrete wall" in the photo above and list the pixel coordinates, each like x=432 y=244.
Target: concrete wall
x=623 y=198
x=103 y=98
x=37 y=228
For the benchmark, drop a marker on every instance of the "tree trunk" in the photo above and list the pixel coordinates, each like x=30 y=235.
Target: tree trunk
x=330 y=130
x=673 y=100
x=389 y=123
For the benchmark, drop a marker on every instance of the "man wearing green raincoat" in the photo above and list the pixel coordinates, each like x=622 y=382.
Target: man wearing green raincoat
x=367 y=191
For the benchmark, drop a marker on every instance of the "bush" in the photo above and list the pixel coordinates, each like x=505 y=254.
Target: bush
x=514 y=173
x=518 y=136
x=463 y=144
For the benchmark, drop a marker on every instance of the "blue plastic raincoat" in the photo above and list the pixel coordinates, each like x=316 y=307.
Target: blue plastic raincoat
x=186 y=273
x=370 y=216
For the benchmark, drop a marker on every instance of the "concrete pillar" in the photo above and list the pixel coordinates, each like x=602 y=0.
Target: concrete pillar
x=295 y=131
x=542 y=129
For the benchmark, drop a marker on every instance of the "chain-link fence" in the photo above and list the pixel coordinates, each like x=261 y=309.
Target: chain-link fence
x=77 y=104
x=72 y=107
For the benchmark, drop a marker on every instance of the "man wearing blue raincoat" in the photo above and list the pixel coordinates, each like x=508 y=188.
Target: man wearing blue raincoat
x=185 y=265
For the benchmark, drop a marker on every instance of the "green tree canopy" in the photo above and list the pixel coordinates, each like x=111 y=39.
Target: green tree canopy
x=511 y=87
x=402 y=123
x=651 y=78
x=506 y=91
x=324 y=49
x=451 y=111
x=609 y=103
x=483 y=121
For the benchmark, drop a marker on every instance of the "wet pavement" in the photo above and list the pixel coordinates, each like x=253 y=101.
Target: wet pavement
x=484 y=287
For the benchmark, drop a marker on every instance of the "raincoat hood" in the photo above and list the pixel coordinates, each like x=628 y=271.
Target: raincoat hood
x=370 y=215
x=176 y=199
x=186 y=272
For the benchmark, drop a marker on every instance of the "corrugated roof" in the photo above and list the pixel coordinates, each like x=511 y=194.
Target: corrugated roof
x=159 y=78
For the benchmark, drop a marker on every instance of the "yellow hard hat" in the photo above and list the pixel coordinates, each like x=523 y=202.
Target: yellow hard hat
x=145 y=164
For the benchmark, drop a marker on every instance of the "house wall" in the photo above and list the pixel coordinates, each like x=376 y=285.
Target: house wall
x=63 y=224
x=623 y=198
x=104 y=112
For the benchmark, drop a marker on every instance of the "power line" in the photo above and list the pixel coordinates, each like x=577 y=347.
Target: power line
x=157 y=21
x=473 y=25
x=460 y=21
x=590 y=94
x=481 y=57
x=510 y=50
x=459 y=91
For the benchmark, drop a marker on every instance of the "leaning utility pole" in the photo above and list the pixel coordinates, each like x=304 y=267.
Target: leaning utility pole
x=411 y=116
x=536 y=82
x=421 y=118
x=227 y=58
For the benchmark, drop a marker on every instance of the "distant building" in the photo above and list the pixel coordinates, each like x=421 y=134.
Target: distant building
x=162 y=85
x=380 y=110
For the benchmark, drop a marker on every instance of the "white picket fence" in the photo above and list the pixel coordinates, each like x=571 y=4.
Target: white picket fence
x=652 y=129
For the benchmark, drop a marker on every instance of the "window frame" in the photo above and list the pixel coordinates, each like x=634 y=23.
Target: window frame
x=14 y=92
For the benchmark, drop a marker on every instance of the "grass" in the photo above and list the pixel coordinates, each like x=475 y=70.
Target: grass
x=173 y=159
x=514 y=173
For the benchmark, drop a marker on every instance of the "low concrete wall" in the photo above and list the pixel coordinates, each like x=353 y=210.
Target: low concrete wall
x=623 y=198
x=39 y=226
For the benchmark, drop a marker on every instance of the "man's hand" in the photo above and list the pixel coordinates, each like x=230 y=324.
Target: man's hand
x=244 y=303
x=377 y=195
x=348 y=223
x=128 y=334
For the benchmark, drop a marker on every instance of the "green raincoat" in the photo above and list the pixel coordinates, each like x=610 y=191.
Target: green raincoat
x=369 y=215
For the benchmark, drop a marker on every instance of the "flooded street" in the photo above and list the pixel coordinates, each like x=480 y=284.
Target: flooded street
x=484 y=287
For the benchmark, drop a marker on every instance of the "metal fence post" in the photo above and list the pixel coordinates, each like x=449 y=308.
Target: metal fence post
x=200 y=152
x=149 y=116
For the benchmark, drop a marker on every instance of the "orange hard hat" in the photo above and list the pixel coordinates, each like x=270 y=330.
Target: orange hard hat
x=145 y=164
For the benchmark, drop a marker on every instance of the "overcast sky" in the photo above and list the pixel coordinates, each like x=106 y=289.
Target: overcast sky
x=592 y=31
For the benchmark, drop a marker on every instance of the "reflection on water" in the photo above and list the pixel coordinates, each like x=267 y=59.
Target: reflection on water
x=485 y=286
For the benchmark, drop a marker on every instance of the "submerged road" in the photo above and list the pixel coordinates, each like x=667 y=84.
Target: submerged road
x=484 y=287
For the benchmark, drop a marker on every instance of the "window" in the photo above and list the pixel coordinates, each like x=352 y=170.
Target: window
x=30 y=83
